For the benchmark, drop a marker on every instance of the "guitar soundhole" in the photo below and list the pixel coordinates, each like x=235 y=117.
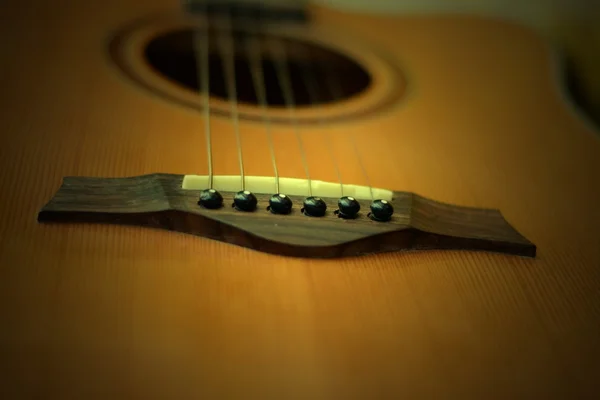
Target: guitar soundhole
x=174 y=56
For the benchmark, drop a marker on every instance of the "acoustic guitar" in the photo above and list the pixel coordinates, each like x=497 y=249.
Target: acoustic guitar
x=276 y=200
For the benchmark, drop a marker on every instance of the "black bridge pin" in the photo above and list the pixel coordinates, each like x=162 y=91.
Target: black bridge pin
x=314 y=207
x=348 y=207
x=244 y=201
x=211 y=199
x=280 y=204
x=381 y=211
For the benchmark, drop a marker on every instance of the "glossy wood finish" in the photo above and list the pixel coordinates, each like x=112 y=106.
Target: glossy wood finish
x=158 y=201
x=125 y=312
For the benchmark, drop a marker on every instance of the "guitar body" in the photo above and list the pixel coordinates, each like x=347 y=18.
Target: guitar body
x=105 y=311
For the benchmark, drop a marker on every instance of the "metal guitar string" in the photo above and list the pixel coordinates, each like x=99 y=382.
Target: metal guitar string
x=253 y=50
x=283 y=76
x=226 y=48
x=201 y=44
x=333 y=84
x=225 y=38
x=310 y=82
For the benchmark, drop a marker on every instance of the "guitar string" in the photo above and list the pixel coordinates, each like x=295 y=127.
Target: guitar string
x=226 y=42
x=253 y=51
x=335 y=89
x=310 y=83
x=283 y=77
x=201 y=44
x=226 y=48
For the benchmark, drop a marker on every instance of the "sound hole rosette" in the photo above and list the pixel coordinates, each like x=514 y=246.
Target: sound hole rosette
x=387 y=86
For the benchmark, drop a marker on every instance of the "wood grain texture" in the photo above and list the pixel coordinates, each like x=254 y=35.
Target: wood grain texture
x=158 y=201
x=99 y=311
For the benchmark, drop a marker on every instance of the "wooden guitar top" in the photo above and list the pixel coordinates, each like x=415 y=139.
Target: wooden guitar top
x=123 y=312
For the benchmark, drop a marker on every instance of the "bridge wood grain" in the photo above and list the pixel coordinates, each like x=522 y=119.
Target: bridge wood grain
x=157 y=201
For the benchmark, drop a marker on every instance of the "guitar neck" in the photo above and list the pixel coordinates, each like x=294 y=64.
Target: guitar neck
x=277 y=10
